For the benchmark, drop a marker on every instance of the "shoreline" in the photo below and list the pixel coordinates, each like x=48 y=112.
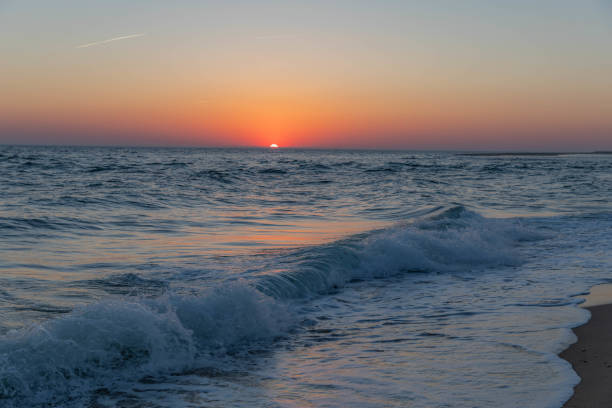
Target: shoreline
x=591 y=355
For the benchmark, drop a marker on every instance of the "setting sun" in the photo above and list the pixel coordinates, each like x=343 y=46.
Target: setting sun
x=273 y=146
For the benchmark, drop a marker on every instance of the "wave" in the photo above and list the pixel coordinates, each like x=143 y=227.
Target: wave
x=446 y=240
x=126 y=338
x=121 y=339
x=124 y=284
x=46 y=223
x=272 y=170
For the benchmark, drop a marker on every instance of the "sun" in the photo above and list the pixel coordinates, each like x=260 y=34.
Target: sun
x=273 y=146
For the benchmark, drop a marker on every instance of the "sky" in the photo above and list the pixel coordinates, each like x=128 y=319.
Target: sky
x=392 y=74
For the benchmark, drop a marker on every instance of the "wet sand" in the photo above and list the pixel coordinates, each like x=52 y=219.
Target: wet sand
x=591 y=355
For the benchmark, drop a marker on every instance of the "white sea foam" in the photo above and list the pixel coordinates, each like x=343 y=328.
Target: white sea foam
x=120 y=339
x=452 y=240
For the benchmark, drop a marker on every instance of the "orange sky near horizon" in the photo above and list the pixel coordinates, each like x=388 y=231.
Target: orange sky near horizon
x=397 y=75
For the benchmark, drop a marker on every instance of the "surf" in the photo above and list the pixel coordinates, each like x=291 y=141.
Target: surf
x=126 y=337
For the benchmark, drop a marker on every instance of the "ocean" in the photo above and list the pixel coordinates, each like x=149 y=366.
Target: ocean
x=187 y=277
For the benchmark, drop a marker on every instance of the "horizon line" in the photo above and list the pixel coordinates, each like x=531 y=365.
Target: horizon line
x=467 y=152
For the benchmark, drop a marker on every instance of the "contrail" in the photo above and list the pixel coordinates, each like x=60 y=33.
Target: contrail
x=123 y=37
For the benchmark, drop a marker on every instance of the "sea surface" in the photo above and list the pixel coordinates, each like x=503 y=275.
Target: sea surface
x=146 y=277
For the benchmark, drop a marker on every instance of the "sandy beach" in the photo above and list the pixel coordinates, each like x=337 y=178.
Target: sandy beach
x=591 y=355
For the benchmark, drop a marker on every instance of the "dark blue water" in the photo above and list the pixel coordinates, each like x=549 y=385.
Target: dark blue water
x=273 y=278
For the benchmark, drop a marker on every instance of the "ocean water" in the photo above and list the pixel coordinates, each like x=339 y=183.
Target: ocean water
x=293 y=278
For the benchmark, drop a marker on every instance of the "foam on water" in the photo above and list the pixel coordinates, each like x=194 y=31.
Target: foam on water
x=448 y=240
x=121 y=339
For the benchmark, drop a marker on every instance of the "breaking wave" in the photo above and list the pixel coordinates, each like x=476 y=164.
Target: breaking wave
x=446 y=240
x=122 y=338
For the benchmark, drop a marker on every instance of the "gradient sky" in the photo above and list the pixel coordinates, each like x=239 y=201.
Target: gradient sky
x=454 y=74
